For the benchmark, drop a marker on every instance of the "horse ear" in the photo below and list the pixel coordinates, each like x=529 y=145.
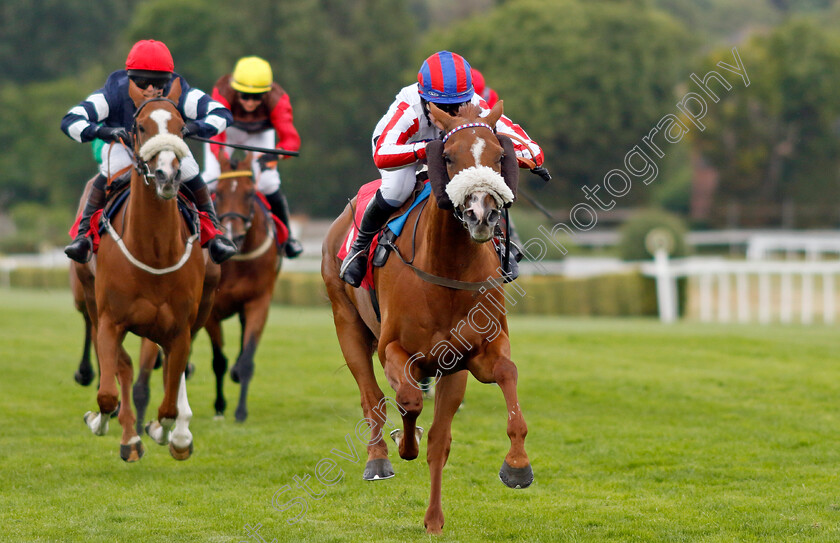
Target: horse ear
x=441 y=119
x=510 y=166
x=224 y=163
x=135 y=93
x=438 y=176
x=495 y=113
x=175 y=90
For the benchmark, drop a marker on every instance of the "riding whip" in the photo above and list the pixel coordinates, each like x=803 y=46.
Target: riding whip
x=248 y=147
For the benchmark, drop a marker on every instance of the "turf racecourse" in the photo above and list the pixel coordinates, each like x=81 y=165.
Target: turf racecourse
x=637 y=432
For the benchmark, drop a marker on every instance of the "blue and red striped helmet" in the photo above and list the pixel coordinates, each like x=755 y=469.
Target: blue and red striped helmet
x=445 y=78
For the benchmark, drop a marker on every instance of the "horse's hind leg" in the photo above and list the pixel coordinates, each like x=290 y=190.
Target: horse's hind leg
x=149 y=354
x=84 y=375
x=131 y=448
x=448 y=396
x=516 y=470
x=409 y=398
x=220 y=363
x=255 y=314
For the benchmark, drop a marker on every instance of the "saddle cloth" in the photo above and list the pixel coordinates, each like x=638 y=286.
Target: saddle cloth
x=395 y=224
x=187 y=209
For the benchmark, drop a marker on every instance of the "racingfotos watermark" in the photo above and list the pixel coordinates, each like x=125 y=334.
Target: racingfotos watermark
x=327 y=470
x=639 y=165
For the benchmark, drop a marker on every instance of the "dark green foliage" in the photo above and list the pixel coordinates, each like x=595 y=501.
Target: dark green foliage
x=635 y=230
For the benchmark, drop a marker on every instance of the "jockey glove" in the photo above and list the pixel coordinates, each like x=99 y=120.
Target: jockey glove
x=542 y=172
x=112 y=133
x=192 y=128
x=266 y=162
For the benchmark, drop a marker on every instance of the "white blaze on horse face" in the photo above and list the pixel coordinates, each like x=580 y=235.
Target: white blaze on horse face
x=476 y=204
x=476 y=150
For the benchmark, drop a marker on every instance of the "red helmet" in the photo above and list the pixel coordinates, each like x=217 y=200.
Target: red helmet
x=478 y=81
x=149 y=58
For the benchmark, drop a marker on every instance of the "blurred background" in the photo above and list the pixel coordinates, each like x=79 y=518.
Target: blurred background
x=588 y=79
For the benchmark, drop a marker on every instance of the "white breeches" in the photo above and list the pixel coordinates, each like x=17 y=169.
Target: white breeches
x=115 y=157
x=268 y=181
x=398 y=184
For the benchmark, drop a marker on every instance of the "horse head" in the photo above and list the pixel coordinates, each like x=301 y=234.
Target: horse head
x=472 y=156
x=158 y=144
x=235 y=195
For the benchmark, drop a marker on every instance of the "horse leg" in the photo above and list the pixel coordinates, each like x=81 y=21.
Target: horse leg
x=256 y=313
x=149 y=354
x=409 y=398
x=174 y=364
x=181 y=443
x=234 y=371
x=516 y=470
x=448 y=395
x=131 y=448
x=109 y=338
x=220 y=363
x=356 y=343
x=84 y=375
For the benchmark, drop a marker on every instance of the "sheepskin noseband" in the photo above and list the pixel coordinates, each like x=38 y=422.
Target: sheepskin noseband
x=164 y=142
x=478 y=178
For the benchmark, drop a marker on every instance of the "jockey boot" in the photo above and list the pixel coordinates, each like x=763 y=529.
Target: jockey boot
x=220 y=247
x=354 y=266
x=80 y=249
x=280 y=208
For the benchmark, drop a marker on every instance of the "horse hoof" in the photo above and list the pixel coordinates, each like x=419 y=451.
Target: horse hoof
x=516 y=477
x=189 y=371
x=83 y=378
x=241 y=415
x=234 y=375
x=378 y=468
x=180 y=454
x=219 y=416
x=132 y=452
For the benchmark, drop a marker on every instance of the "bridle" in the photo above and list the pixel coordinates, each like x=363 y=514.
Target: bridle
x=248 y=220
x=141 y=165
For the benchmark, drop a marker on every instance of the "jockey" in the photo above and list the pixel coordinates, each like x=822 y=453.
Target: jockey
x=489 y=95
x=149 y=67
x=399 y=145
x=261 y=112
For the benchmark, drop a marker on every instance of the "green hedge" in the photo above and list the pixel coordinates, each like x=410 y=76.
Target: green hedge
x=606 y=295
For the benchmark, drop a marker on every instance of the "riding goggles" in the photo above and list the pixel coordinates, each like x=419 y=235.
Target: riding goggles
x=252 y=96
x=144 y=82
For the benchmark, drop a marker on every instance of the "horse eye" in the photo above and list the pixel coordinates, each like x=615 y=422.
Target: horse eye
x=447 y=159
x=141 y=128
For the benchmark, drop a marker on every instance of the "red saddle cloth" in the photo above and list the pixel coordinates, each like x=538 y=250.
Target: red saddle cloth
x=208 y=231
x=366 y=194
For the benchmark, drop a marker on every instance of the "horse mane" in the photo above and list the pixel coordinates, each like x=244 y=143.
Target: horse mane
x=469 y=111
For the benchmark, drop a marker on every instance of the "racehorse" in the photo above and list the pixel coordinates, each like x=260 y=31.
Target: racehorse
x=441 y=305
x=248 y=278
x=150 y=280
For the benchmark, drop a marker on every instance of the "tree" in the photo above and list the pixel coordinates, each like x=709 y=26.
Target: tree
x=777 y=141
x=587 y=80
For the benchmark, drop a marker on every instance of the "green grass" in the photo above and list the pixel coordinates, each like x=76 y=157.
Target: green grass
x=637 y=432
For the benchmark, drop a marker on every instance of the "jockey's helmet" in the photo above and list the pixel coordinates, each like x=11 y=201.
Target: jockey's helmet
x=150 y=59
x=445 y=78
x=252 y=75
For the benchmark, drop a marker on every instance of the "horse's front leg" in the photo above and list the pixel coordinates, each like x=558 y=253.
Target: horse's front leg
x=84 y=375
x=220 y=363
x=255 y=314
x=405 y=380
x=177 y=353
x=448 y=395
x=498 y=368
x=109 y=339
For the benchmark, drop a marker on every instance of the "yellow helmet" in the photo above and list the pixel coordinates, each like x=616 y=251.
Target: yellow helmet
x=252 y=75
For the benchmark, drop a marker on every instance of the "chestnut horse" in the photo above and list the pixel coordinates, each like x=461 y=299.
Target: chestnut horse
x=248 y=278
x=442 y=312
x=150 y=278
